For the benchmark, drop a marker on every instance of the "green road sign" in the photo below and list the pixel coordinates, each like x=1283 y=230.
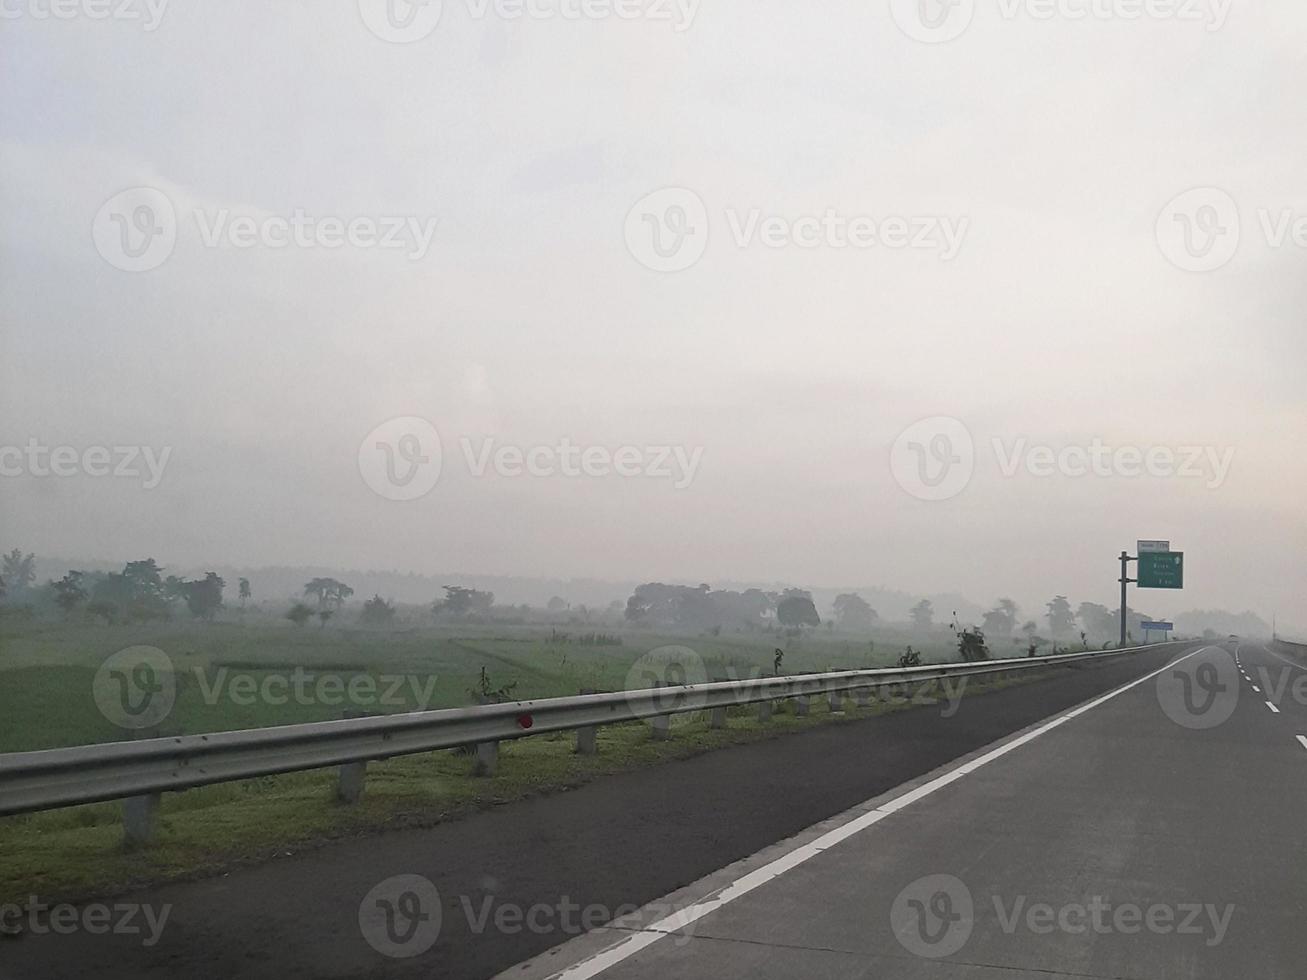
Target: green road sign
x=1161 y=570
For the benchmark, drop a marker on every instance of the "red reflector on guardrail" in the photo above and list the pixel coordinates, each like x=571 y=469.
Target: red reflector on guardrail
x=525 y=721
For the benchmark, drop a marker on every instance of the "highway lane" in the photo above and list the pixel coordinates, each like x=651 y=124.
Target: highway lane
x=622 y=840
x=1278 y=681
x=1156 y=834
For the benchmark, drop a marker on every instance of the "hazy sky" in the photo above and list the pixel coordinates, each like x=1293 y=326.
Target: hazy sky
x=1047 y=291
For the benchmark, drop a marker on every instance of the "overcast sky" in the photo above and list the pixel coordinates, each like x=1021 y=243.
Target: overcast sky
x=1050 y=288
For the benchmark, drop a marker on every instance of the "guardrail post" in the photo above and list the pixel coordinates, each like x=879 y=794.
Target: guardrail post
x=140 y=819
x=863 y=697
x=487 y=759
x=349 y=782
x=718 y=717
x=837 y=702
x=801 y=706
x=764 y=711
x=662 y=724
x=141 y=813
x=587 y=740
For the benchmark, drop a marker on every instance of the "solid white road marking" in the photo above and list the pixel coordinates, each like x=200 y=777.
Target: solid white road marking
x=1272 y=707
x=655 y=931
x=1303 y=740
x=1283 y=659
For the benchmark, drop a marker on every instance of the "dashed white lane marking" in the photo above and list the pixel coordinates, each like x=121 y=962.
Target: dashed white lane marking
x=1257 y=689
x=1303 y=740
x=650 y=934
x=1272 y=707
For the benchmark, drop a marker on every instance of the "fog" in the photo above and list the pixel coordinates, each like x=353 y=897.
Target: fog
x=750 y=417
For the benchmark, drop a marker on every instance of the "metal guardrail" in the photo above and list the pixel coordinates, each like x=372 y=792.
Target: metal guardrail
x=1291 y=648
x=51 y=778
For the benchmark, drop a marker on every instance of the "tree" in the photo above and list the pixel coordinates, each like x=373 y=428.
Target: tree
x=19 y=573
x=556 y=604
x=68 y=592
x=971 y=645
x=145 y=578
x=204 y=596
x=138 y=591
x=1098 y=621
x=103 y=610
x=797 y=610
x=330 y=593
x=244 y=591
x=923 y=615
x=323 y=616
x=854 y=612
x=1061 y=621
x=1002 y=619
x=299 y=614
x=460 y=601
x=377 y=612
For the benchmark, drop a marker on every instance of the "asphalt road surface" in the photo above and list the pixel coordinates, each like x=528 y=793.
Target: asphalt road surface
x=1157 y=833
x=1121 y=801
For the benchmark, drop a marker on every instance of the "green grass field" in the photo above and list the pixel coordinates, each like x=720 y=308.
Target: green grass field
x=47 y=700
x=47 y=671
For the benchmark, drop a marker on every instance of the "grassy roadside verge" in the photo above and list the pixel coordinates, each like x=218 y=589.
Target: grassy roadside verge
x=77 y=853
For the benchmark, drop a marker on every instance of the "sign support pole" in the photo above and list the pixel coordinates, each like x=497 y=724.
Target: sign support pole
x=1125 y=580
